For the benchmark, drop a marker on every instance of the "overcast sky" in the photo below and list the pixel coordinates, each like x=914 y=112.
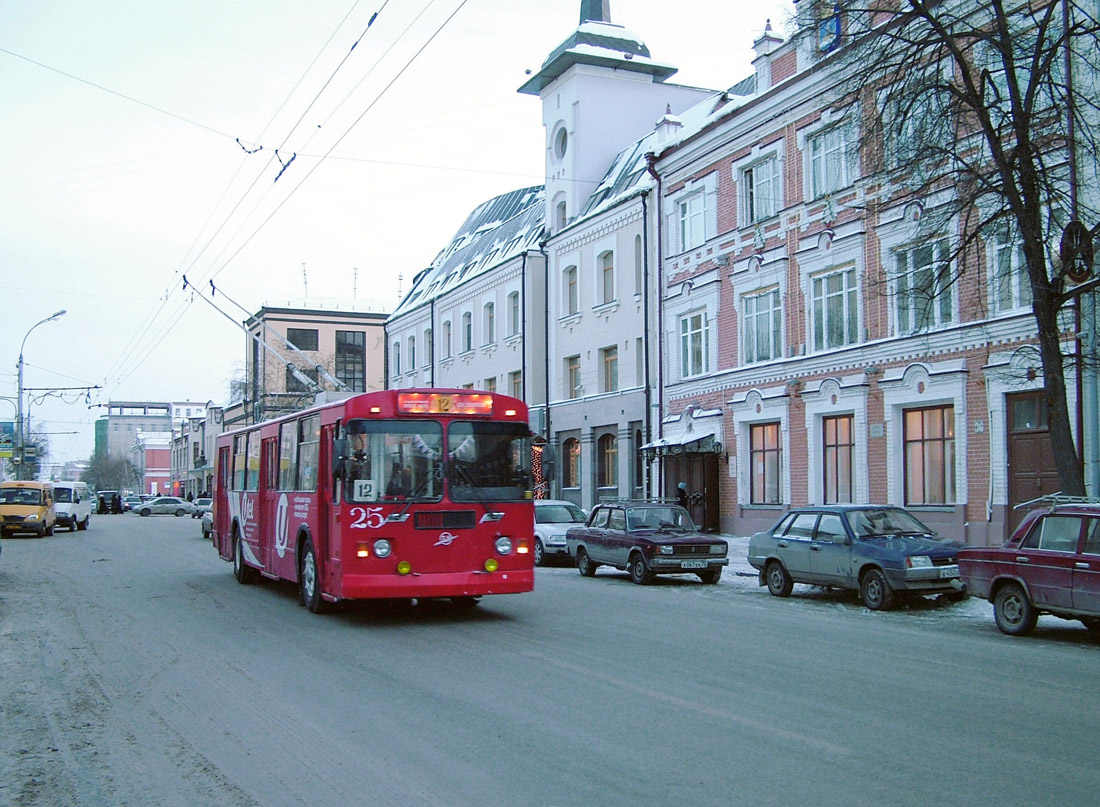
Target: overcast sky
x=121 y=170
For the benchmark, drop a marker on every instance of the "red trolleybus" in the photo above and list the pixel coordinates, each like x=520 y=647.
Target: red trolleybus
x=400 y=494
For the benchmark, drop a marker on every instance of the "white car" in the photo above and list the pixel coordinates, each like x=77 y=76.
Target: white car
x=202 y=505
x=164 y=505
x=552 y=518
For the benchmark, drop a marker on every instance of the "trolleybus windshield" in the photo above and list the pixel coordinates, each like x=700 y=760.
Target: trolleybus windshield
x=394 y=461
x=489 y=461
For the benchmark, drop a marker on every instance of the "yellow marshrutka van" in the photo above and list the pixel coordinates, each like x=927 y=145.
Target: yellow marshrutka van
x=27 y=507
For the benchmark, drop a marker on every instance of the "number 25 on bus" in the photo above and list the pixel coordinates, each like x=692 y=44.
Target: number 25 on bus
x=400 y=494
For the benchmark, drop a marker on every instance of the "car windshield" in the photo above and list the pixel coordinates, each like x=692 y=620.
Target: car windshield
x=202 y=502
x=871 y=523
x=671 y=517
x=559 y=514
x=20 y=496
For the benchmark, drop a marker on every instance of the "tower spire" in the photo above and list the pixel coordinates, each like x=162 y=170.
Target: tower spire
x=595 y=11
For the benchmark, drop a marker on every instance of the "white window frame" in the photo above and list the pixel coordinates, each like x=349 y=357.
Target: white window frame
x=774 y=329
x=692 y=214
x=941 y=304
x=694 y=329
x=820 y=315
x=692 y=217
x=761 y=189
x=1007 y=268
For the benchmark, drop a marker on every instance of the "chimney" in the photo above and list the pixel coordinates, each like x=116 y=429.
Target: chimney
x=764 y=48
x=669 y=126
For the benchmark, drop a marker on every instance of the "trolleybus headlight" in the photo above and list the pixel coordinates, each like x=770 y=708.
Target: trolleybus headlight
x=382 y=548
x=404 y=567
x=504 y=545
x=491 y=565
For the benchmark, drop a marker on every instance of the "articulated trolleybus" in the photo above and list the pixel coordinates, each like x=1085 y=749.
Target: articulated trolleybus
x=395 y=494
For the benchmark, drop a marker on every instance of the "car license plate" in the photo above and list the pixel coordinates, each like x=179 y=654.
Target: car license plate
x=693 y=564
x=949 y=571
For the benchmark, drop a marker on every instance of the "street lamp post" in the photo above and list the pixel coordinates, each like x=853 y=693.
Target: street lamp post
x=20 y=433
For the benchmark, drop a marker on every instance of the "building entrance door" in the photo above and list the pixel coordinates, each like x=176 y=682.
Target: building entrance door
x=1031 y=471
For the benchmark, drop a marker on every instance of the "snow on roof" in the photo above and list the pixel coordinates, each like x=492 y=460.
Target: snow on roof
x=627 y=174
x=494 y=233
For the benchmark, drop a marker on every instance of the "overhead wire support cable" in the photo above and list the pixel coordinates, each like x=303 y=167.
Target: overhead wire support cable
x=340 y=385
x=302 y=378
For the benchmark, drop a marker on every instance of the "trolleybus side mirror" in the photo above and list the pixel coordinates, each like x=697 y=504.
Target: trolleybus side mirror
x=339 y=454
x=549 y=461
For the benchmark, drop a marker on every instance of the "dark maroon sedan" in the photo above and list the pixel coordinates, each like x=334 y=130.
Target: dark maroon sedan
x=1050 y=565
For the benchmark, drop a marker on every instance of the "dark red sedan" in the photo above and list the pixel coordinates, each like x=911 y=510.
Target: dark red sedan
x=1050 y=565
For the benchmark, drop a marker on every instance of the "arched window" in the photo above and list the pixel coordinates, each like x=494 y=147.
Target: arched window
x=396 y=369
x=607 y=471
x=513 y=313
x=446 y=339
x=489 y=329
x=570 y=294
x=638 y=264
x=412 y=353
x=607 y=277
x=429 y=348
x=571 y=463
x=467 y=332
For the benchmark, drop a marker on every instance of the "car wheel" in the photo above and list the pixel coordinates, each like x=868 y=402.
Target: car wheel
x=244 y=573
x=83 y=525
x=145 y=511
x=309 y=581
x=584 y=563
x=639 y=572
x=779 y=582
x=181 y=512
x=1092 y=623
x=711 y=576
x=1013 y=611
x=540 y=553
x=875 y=590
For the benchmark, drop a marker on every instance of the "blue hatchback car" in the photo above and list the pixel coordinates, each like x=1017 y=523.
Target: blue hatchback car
x=877 y=550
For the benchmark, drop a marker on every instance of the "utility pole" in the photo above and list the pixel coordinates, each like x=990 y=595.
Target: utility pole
x=20 y=433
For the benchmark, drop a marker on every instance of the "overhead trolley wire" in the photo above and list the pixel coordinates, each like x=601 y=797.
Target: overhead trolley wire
x=154 y=313
x=340 y=139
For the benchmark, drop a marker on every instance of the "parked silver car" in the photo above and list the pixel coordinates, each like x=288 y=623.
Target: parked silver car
x=202 y=505
x=164 y=505
x=553 y=518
